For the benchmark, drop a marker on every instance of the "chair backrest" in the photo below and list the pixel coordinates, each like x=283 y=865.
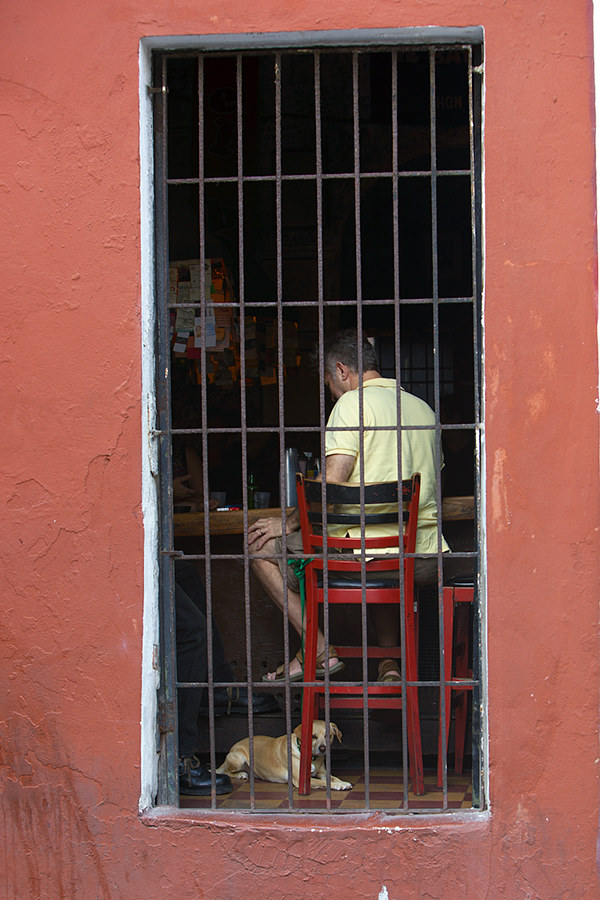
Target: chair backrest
x=343 y=508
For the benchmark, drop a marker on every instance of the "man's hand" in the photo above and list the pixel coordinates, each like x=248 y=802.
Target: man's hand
x=181 y=491
x=264 y=530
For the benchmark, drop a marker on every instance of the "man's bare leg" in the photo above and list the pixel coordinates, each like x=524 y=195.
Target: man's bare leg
x=386 y=619
x=268 y=573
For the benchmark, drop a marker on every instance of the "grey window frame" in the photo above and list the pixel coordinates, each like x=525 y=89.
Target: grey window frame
x=434 y=39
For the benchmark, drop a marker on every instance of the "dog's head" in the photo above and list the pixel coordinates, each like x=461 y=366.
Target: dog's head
x=319 y=736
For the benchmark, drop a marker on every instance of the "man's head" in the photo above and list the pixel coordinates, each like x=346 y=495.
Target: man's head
x=342 y=364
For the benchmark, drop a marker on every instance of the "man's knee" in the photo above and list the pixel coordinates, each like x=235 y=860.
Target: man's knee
x=426 y=572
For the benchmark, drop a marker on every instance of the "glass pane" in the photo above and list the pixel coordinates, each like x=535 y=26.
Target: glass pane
x=377 y=238
x=297 y=114
x=414 y=145
x=452 y=109
x=182 y=110
x=336 y=113
x=258 y=97
x=299 y=240
x=375 y=111
x=221 y=227
x=184 y=231
x=339 y=243
x=260 y=249
x=454 y=236
x=416 y=274
x=220 y=116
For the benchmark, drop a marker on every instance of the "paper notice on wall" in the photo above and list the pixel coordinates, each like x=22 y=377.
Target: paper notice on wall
x=196 y=276
x=210 y=335
x=183 y=292
x=173 y=279
x=222 y=335
x=180 y=342
x=185 y=319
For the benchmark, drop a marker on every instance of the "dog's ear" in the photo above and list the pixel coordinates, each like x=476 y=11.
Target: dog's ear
x=298 y=731
x=335 y=731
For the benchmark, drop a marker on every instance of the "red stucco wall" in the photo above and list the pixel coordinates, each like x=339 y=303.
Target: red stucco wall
x=72 y=529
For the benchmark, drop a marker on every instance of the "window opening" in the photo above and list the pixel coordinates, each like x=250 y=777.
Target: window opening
x=300 y=192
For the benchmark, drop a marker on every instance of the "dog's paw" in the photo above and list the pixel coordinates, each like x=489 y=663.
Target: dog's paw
x=240 y=776
x=341 y=786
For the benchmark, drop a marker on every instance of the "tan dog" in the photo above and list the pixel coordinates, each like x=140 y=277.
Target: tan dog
x=271 y=758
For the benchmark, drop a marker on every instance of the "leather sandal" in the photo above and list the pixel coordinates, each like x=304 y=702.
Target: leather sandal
x=336 y=667
x=280 y=672
x=320 y=670
x=388 y=672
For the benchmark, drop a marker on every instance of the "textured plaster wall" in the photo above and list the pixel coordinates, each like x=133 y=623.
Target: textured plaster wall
x=71 y=475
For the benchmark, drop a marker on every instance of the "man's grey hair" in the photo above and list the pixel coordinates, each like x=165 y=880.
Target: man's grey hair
x=343 y=347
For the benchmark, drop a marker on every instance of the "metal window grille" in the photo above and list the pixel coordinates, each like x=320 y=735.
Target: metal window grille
x=318 y=181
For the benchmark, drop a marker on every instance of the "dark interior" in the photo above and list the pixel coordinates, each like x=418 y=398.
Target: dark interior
x=291 y=234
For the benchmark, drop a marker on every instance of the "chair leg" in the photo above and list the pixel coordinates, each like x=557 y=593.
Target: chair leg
x=448 y=614
x=309 y=700
x=306 y=741
x=417 y=623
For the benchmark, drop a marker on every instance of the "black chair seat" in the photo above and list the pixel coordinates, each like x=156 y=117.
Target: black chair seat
x=374 y=579
x=460 y=581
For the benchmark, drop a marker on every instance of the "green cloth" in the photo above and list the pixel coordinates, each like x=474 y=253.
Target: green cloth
x=299 y=565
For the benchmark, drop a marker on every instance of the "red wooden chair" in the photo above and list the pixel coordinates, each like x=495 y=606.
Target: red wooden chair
x=346 y=575
x=461 y=591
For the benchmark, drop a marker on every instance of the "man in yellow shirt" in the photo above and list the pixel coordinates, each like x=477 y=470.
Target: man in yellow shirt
x=343 y=464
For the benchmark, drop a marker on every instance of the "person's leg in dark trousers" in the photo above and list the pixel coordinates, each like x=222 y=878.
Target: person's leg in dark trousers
x=192 y=666
x=189 y=579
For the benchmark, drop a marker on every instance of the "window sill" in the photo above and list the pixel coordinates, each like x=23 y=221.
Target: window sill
x=172 y=817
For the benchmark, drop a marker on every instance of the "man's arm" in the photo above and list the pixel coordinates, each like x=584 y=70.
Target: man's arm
x=338 y=467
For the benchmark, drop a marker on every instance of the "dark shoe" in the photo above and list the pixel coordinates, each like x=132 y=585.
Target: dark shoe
x=195 y=780
x=237 y=698
x=234 y=701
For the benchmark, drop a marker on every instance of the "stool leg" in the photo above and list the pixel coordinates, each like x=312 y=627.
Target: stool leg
x=448 y=614
x=415 y=747
x=462 y=671
x=415 y=751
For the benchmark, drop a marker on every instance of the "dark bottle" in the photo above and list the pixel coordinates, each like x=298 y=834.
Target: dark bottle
x=252 y=488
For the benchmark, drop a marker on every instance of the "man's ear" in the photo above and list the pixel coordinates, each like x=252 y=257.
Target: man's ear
x=342 y=371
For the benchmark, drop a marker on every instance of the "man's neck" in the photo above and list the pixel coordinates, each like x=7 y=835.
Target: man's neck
x=367 y=376
x=370 y=374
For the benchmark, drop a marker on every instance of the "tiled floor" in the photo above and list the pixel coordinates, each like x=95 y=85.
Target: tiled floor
x=386 y=792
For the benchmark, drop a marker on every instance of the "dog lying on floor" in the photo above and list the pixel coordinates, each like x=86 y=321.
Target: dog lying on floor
x=271 y=758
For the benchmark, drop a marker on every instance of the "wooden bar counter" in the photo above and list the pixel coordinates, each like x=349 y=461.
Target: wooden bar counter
x=454 y=509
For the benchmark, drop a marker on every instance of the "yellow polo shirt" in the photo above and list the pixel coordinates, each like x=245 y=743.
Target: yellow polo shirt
x=381 y=449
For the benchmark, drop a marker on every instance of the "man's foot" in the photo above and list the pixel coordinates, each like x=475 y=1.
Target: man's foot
x=296 y=667
x=296 y=672
x=195 y=779
x=234 y=701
